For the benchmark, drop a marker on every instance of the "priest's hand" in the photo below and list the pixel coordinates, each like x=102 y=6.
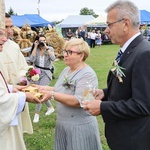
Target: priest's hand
x=31 y=98
x=14 y=90
x=17 y=88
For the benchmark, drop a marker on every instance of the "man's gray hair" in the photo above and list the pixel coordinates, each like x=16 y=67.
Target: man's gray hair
x=126 y=9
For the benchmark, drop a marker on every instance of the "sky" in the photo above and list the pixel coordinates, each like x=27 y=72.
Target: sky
x=56 y=10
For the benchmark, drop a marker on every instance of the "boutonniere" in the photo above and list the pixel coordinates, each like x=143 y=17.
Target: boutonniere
x=68 y=83
x=118 y=71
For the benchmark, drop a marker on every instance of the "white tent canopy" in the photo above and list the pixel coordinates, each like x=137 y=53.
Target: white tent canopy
x=100 y=20
x=75 y=21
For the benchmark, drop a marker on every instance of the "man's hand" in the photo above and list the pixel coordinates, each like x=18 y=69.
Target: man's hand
x=93 y=107
x=31 y=98
x=98 y=94
x=17 y=88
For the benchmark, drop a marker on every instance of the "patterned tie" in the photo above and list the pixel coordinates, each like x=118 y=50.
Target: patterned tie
x=119 y=56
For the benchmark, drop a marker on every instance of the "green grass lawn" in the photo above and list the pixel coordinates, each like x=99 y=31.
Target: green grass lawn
x=100 y=60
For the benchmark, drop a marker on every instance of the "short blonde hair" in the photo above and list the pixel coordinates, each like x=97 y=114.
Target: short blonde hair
x=83 y=47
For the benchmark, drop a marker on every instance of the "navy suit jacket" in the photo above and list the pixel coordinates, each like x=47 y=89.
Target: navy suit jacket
x=126 y=106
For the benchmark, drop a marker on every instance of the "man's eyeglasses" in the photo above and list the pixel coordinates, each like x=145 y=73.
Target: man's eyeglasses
x=69 y=52
x=110 y=24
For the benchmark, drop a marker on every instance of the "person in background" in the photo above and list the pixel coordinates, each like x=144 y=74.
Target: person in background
x=11 y=104
x=93 y=38
x=83 y=33
x=148 y=33
x=69 y=34
x=88 y=39
x=75 y=128
x=42 y=57
x=78 y=33
x=13 y=66
x=98 y=39
x=125 y=103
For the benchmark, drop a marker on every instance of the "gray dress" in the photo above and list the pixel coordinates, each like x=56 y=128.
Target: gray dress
x=76 y=129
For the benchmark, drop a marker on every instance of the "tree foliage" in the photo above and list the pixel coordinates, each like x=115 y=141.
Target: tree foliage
x=86 y=11
x=11 y=11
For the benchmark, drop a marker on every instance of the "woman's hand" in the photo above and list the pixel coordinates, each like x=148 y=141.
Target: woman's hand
x=43 y=88
x=36 y=43
x=46 y=96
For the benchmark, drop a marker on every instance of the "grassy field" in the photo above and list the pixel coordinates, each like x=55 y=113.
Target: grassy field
x=100 y=60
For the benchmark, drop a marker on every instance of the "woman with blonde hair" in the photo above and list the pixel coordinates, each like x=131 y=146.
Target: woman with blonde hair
x=75 y=129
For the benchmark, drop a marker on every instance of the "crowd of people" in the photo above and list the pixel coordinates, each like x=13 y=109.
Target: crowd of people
x=92 y=37
x=124 y=104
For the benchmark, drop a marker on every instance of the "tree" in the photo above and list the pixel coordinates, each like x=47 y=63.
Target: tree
x=86 y=11
x=11 y=12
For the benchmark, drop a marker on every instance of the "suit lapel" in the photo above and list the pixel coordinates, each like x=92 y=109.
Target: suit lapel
x=130 y=49
x=110 y=77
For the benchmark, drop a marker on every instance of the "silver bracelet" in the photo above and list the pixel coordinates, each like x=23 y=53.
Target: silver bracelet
x=52 y=95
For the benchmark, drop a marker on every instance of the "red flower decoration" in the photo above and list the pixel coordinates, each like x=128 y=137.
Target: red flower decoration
x=32 y=72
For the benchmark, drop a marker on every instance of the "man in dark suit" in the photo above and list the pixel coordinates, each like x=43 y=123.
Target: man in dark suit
x=125 y=103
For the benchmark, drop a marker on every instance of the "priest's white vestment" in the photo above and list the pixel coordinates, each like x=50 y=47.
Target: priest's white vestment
x=10 y=135
x=13 y=66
